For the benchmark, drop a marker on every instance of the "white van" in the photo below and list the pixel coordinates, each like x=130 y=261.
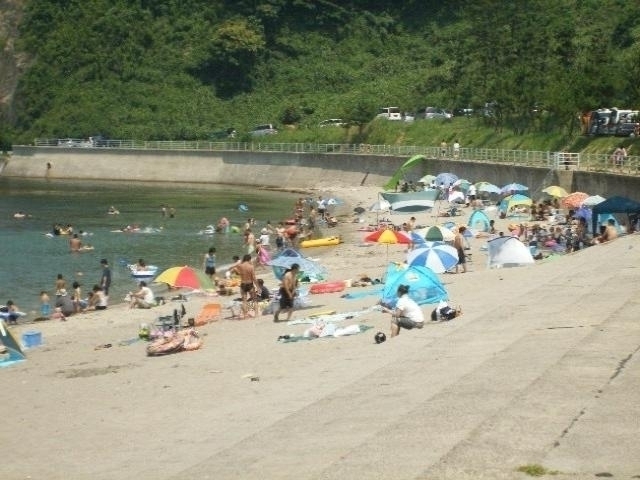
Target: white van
x=390 y=113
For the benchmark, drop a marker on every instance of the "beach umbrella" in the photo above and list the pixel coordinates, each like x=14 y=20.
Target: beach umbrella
x=437 y=256
x=555 y=191
x=486 y=187
x=438 y=233
x=574 y=200
x=416 y=238
x=583 y=212
x=463 y=184
x=381 y=205
x=592 y=201
x=446 y=178
x=388 y=237
x=308 y=268
x=514 y=187
x=456 y=197
x=185 y=277
x=511 y=201
x=427 y=179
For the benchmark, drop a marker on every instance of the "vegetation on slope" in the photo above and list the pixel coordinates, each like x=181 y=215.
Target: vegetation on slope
x=181 y=69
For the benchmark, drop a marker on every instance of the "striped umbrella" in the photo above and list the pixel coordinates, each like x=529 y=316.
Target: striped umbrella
x=437 y=256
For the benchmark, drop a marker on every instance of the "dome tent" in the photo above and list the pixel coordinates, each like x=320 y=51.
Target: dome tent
x=424 y=285
x=479 y=221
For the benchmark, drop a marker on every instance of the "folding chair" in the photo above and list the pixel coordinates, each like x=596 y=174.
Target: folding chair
x=210 y=312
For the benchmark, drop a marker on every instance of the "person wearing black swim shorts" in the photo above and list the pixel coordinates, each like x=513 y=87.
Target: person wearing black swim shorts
x=288 y=292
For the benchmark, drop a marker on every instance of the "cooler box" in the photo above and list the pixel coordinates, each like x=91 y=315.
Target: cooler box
x=31 y=339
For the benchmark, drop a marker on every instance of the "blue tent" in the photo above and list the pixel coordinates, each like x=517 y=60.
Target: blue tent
x=614 y=205
x=424 y=285
x=479 y=221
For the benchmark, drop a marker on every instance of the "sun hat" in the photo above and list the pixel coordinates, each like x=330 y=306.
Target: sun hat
x=264 y=231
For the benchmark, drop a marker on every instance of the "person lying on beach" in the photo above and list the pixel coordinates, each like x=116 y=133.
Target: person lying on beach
x=444 y=312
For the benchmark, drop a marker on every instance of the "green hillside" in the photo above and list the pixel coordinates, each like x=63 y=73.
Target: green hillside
x=183 y=69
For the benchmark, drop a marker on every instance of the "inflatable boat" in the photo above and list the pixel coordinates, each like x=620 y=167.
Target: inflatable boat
x=147 y=272
x=321 y=242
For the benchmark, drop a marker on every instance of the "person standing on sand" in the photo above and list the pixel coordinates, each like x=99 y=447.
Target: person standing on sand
x=105 y=278
x=288 y=292
x=247 y=280
x=458 y=243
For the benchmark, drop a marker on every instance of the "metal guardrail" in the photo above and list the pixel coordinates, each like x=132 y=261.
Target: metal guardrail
x=594 y=162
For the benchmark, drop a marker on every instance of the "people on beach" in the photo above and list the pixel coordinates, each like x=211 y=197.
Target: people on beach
x=98 y=300
x=11 y=312
x=247 y=274
x=209 y=263
x=65 y=304
x=263 y=292
x=143 y=298
x=262 y=254
x=444 y=312
x=458 y=244
x=45 y=304
x=609 y=233
x=287 y=292
x=79 y=303
x=105 y=277
x=406 y=314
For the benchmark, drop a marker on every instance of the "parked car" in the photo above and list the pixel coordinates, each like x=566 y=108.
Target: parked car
x=333 y=122
x=433 y=112
x=223 y=134
x=265 y=129
x=628 y=129
x=390 y=113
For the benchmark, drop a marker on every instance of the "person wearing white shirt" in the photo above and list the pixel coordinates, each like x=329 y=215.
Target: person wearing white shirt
x=407 y=313
x=143 y=298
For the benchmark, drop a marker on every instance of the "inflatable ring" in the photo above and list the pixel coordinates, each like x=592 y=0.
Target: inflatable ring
x=327 y=287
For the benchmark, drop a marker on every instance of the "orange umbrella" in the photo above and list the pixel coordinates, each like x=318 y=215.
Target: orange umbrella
x=388 y=237
x=574 y=200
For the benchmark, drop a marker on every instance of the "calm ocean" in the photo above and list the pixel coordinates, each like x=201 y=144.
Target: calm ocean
x=31 y=260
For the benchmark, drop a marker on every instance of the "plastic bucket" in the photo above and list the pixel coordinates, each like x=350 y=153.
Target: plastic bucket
x=31 y=339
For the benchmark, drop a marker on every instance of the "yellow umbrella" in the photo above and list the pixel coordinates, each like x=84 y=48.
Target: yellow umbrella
x=556 y=191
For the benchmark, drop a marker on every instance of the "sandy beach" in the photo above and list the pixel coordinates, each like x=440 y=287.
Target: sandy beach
x=541 y=371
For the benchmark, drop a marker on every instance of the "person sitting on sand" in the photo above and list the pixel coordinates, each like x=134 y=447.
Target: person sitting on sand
x=406 y=314
x=143 y=298
x=97 y=300
x=11 y=312
x=610 y=233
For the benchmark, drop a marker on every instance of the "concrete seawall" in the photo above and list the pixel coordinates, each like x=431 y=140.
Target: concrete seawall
x=285 y=170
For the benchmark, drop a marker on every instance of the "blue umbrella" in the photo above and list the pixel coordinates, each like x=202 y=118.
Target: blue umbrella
x=437 y=256
x=514 y=187
x=416 y=238
x=308 y=268
x=446 y=179
x=583 y=212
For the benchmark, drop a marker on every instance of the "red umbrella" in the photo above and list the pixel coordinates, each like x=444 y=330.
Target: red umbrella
x=574 y=200
x=389 y=236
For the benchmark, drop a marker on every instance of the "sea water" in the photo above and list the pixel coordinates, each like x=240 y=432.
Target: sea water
x=31 y=259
